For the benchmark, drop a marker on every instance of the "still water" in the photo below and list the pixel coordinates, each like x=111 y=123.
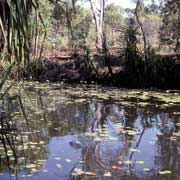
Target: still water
x=60 y=132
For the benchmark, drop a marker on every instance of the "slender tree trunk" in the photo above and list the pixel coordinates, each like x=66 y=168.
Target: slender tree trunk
x=3 y=16
x=98 y=14
x=177 y=48
x=101 y=46
x=138 y=5
x=69 y=22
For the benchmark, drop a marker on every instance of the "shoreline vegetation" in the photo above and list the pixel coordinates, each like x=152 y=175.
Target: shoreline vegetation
x=134 y=73
x=81 y=42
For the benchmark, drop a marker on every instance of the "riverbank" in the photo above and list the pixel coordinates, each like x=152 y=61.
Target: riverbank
x=159 y=71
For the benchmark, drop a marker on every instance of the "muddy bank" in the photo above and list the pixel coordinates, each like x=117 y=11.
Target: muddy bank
x=158 y=72
x=74 y=69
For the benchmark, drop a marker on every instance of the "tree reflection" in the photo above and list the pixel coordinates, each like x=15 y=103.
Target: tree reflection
x=21 y=150
x=102 y=156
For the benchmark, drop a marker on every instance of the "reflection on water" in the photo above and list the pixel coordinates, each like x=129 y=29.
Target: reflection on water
x=48 y=137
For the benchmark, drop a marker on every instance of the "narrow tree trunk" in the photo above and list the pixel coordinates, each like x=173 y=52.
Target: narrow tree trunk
x=98 y=14
x=101 y=46
x=142 y=29
x=177 y=48
x=70 y=29
x=3 y=15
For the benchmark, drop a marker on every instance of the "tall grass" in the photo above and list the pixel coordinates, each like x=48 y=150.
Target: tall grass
x=19 y=31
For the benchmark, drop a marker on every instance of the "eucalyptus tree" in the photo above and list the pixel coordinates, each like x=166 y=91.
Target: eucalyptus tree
x=98 y=9
x=139 y=10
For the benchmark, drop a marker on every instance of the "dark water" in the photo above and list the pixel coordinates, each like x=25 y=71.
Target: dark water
x=58 y=135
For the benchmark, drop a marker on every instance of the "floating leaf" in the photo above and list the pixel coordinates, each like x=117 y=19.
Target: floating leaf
x=90 y=134
x=165 y=172
x=134 y=150
x=98 y=139
x=176 y=134
x=58 y=165
x=116 y=167
x=45 y=170
x=128 y=162
x=131 y=132
x=30 y=166
x=146 y=169
x=34 y=170
x=57 y=158
x=33 y=143
x=29 y=175
x=139 y=162
x=107 y=174
x=112 y=138
x=41 y=142
x=79 y=171
x=173 y=138
x=68 y=160
x=178 y=124
x=90 y=173
x=159 y=134
x=103 y=135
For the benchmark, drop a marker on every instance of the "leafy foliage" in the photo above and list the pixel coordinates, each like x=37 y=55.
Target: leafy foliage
x=170 y=30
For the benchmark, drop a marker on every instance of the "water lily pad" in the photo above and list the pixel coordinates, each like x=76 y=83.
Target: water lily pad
x=107 y=174
x=165 y=172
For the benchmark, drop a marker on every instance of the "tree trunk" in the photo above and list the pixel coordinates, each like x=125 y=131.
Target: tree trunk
x=177 y=48
x=3 y=16
x=142 y=29
x=98 y=14
x=101 y=46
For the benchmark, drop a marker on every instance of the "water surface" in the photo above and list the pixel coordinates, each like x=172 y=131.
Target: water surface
x=59 y=132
